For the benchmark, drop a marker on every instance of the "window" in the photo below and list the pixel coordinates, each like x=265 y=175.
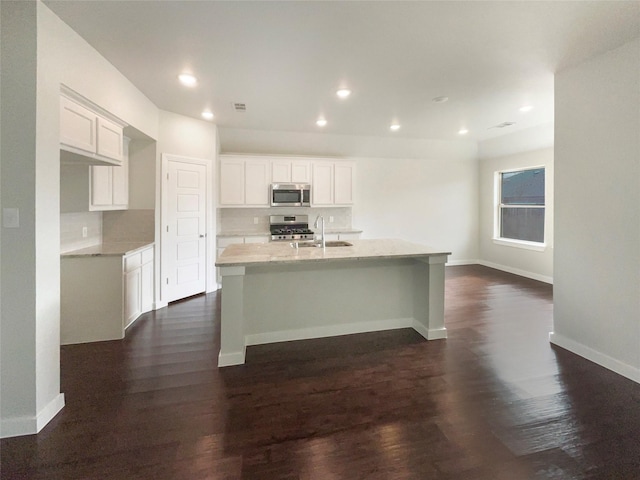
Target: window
x=521 y=205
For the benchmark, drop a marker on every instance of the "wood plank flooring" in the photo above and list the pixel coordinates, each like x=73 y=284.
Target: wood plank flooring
x=494 y=401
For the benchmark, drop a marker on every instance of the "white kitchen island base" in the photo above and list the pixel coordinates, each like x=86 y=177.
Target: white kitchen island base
x=323 y=294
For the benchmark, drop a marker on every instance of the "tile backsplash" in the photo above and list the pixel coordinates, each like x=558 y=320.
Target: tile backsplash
x=128 y=226
x=243 y=219
x=105 y=227
x=71 y=226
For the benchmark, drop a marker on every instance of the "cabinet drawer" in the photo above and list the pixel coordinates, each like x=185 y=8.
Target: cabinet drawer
x=147 y=255
x=133 y=261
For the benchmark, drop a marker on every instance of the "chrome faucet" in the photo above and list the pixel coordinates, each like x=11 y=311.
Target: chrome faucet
x=315 y=225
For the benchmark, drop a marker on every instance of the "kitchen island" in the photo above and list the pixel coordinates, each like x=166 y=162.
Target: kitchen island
x=273 y=292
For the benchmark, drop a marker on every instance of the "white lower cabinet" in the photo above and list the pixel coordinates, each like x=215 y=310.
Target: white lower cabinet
x=101 y=295
x=138 y=284
x=132 y=304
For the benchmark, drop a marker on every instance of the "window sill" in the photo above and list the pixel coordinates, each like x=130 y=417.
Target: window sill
x=535 y=246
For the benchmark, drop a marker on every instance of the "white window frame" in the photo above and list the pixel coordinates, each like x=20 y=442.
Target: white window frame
x=497 y=206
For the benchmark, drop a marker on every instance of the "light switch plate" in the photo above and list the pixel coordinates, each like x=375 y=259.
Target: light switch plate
x=11 y=218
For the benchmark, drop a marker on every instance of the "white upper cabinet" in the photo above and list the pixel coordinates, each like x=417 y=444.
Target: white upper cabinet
x=110 y=139
x=290 y=171
x=78 y=126
x=332 y=183
x=109 y=186
x=84 y=132
x=244 y=181
x=322 y=186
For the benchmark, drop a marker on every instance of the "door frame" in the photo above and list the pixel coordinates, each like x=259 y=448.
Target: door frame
x=161 y=222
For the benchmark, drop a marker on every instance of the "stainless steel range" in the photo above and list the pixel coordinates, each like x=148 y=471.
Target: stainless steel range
x=289 y=227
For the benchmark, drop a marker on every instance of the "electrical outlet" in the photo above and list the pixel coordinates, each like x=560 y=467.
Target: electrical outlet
x=255 y=220
x=331 y=219
x=85 y=232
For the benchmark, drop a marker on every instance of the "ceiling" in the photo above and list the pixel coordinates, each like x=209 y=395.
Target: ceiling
x=285 y=60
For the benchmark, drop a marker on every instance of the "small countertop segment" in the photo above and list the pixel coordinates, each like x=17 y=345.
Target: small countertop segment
x=108 y=249
x=283 y=253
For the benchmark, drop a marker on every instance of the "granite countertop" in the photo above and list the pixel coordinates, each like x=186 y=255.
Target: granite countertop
x=282 y=252
x=108 y=249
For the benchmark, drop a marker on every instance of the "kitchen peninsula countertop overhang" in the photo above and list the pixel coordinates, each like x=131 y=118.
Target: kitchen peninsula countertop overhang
x=247 y=255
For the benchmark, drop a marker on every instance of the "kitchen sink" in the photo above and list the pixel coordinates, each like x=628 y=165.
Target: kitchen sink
x=331 y=243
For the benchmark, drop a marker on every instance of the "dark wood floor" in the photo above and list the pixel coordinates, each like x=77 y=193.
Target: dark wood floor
x=493 y=401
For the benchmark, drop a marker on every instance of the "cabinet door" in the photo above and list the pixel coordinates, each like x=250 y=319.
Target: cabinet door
x=110 y=139
x=256 y=182
x=300 y=171
x=132 y=296
x=101 y=187
x=281 y=171
x=322 y=189
x=343 y=183
x=231 y=181
x=77 y=126
x=146 y=287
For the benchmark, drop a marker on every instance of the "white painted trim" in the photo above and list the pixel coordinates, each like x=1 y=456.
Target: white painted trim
x=453 y=263
x=517 y=271
x=621 y=368
x=328 y=331
x=535 y=246
x=27 y=425
x=230 y=359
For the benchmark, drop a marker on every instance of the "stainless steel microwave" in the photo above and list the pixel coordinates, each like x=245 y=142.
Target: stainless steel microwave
x=290 y=195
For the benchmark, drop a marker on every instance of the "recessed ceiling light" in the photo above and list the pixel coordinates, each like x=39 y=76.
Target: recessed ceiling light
x=526 y=108
x=463 y=131
x=343 y=92
x=188 y=80
x=394 y=127
x=440 y=99
x=207 y=115
x=321 y=122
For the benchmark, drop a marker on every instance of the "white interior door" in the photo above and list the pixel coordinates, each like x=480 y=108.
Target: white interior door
x=185 y=230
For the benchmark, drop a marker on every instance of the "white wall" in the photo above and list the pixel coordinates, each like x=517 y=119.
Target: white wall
x=33 y=36
x=18 y=389
x=597 y=215
x=432 y=201
x=187 y=137
x=423 y=191
x=529 y=263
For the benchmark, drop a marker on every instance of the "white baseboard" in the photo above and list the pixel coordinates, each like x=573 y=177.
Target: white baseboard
x=327 y=331
x=229 y=359
x=159 y=305
x=517 y=271
x=453 y=263
x=29 y=425
x=594 y=356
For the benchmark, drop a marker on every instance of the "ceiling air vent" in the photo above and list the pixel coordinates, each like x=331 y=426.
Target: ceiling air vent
x=503 y=124
x=239 y=107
